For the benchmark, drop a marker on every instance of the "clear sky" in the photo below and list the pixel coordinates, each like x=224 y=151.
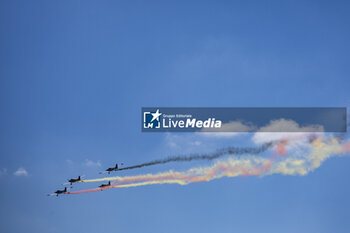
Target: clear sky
x=75 y=74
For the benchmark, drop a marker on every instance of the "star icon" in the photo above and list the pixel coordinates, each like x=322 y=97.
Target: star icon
x=156 y=115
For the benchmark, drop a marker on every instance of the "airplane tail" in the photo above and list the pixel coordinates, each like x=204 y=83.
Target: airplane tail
x=79 y=178
x=65 y=189
x=109 y=182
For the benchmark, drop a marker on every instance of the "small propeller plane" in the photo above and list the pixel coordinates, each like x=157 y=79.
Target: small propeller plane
x=109 y=170
x=58 y=192
x=73 y=180
x=105 y=185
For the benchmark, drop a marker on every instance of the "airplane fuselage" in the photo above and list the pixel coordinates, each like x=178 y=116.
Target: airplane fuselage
x=73 y=181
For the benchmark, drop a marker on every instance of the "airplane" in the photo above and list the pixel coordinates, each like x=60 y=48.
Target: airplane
x=58 y=192
x=105 y=185
x=109 y=170
x=71 y=181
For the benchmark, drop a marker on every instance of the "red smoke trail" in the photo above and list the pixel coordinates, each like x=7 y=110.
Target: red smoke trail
x=281 y=147
x=346 y=147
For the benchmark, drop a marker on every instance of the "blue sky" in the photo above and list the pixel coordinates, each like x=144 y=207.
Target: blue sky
x=75 y=74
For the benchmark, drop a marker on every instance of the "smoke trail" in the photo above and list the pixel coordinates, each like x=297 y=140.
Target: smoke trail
x=215 y=155
x=296 y=164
